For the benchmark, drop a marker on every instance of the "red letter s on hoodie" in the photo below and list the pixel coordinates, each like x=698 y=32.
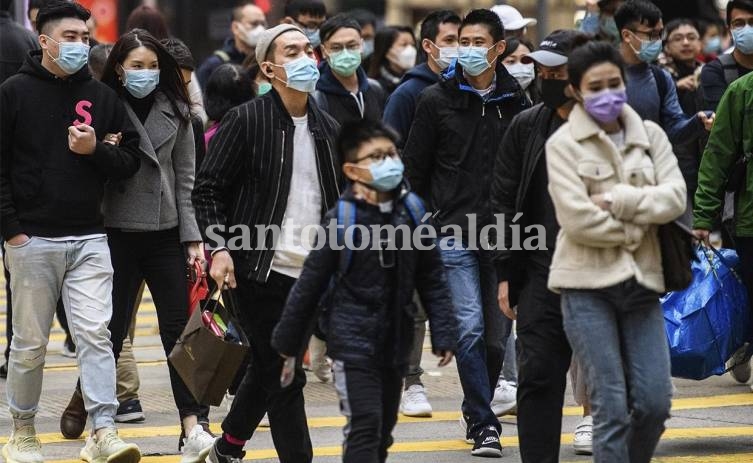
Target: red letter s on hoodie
x=82 y=110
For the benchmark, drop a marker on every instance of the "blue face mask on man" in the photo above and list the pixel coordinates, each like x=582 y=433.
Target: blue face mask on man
x=473 y=59
x=72 y=56
x=650 y=50
x=141 y=82
x=743 y=38
x=302 y=74
x=386 y=174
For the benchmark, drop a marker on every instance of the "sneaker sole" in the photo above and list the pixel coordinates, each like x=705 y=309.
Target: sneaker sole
x=486 y=452
x=583 y=450
x=417 y=413
x=70 y=355
x=130 y=454
x=135 y=417
x=200 y=458
x=10 y=460
x=509 y=408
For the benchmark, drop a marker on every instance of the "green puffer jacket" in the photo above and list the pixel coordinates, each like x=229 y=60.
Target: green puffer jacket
x=731 y=137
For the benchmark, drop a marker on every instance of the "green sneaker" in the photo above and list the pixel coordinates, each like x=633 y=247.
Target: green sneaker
x=23 y=447
x=110 y=449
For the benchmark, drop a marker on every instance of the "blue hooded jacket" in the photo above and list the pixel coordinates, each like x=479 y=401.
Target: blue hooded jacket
x=401 y=105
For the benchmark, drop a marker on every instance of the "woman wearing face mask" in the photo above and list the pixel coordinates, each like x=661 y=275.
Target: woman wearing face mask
x=711 y=37
x=681 y=47
x=150 y=218
x=228 y=86
x=394 y=54
x=525 y=74
x=613 y=179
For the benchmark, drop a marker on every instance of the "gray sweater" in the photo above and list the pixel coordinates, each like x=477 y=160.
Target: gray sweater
x=158 y=197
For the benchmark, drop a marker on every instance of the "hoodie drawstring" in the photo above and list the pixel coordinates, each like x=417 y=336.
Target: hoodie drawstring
x=359 y=102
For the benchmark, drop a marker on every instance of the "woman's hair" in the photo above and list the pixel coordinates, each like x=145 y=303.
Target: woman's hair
x=512 y=46
x=383 y=41
x=583 y=58
x=170 y=79
x=150 y=19
x=227 y=87
x=676 y=24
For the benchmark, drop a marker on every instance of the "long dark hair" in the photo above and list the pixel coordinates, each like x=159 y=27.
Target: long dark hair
x=383 y=41
x=170 y=79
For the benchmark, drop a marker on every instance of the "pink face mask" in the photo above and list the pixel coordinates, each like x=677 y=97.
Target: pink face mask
x=606 y=105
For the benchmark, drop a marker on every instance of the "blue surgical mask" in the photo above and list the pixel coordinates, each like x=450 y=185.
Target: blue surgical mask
x=650 y=50
x=263 y=88
x=302 y=74
x=72 y=56
x=714 y=45
x=313 y=36
x=609 y=27
x=743 y=39
x=386 y=174
x=368 y=48
x=141 y=82
x=473 y=59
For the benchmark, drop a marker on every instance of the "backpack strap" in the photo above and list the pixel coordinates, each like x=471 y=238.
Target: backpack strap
x=661 y=83
x=222 y=54
x=729 y=66
x=415 y=208
x=346 y=219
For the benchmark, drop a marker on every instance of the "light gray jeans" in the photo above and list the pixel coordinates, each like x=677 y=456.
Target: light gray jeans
x=42 y=270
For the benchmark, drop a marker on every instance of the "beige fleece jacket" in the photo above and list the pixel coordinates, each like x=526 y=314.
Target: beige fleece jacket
x=598 y=248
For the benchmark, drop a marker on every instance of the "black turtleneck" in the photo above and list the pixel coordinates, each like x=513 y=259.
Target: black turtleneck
x=141 y=106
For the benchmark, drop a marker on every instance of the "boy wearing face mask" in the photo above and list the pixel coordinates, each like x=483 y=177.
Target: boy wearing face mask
x=651 y=91
x=449 y=156
x=369 y=329
x=439 y=41
x=52 y=183
x=719 y=73
x=344 y=90
x=308 y=15
x=271 y=166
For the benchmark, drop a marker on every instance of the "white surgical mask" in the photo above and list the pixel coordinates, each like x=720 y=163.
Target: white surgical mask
x=523 y=73
x=406 y=59
x=446 y=56
x=251 y=36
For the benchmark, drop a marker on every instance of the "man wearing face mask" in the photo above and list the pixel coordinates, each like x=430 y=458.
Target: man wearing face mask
x=599 y=20
x=270 y=166
x=344 y=90
x=651 y=90
x=439 y=41
x=51 y=189
x=248 y=22
x=520 y=186
x=449 y=156
x=719 y=73
x=308 y=15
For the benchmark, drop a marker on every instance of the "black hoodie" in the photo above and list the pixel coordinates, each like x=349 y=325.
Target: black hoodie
x=344 y=106
x=46 y=189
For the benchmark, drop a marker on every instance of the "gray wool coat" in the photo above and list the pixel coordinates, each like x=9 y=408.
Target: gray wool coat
x=158 y=197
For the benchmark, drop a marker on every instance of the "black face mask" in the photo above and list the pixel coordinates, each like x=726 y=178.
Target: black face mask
x=553 y=92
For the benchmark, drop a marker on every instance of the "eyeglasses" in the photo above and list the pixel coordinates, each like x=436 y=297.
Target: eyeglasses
x=652 y=35
x=739 y=23
x=679 y=38
x=379 y=155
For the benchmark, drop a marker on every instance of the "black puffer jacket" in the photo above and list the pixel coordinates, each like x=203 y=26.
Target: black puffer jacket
x=455 y=135
x=369 y=317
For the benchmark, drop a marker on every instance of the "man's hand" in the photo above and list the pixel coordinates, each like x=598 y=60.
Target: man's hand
x=223 y=271
x=113 y=138
x=82 y=139
x=195 y=252
x=445 y=357
x=708 y=121
x=503 y=299
x=688 y=83
x=18 y=240
x=702 y=235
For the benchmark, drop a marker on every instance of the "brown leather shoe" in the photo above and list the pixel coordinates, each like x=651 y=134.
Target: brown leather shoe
x=73 y=421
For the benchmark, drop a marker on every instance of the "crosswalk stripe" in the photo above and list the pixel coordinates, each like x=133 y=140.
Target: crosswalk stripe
x=460 y=445
x=693 y=403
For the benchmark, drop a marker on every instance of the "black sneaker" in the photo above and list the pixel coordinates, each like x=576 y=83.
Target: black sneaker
x=4 y=370
x=486 y=443
x=216 y=457
x=130 y=412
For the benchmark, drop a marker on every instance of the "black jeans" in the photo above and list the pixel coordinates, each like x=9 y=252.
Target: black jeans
x=260 y=308
x=544 y=358
x=157 y=258
x=369 y=399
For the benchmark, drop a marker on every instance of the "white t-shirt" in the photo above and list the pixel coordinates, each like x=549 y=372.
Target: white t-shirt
x=618 y=138
x=304 y=204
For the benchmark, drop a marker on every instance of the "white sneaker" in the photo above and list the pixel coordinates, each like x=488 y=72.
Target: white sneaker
x=264 y=423
x=583 y=437
x=318 y=358
x=197 y=445
x=504 y=401
x=415 y=403
x=110 y=449
x=740 y=363
x=23 y=447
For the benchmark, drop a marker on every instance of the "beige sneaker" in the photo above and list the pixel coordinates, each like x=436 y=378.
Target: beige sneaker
x=110 y=449
x=23 y=447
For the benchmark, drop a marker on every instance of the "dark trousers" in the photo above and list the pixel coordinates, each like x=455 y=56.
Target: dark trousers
x=158 y=259
x=260 y=308
x=369 y=399
x=544 y=357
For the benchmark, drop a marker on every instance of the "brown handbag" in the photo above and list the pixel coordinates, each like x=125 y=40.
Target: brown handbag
x=206 y=362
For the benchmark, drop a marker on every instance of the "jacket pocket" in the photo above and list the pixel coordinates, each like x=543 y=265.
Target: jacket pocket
x=598 y=176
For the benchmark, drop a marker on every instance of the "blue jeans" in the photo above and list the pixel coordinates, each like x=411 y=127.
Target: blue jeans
x=618 y=336
x=482 y=330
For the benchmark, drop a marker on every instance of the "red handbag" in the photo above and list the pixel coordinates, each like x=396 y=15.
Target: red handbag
x=198 y=288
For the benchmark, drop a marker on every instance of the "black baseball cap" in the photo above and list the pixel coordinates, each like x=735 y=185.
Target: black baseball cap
x=554 y=49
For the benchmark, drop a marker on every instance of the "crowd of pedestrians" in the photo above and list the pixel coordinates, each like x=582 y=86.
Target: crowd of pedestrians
x=578 y=148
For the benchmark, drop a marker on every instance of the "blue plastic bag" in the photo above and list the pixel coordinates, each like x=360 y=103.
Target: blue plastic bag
x=709 y=320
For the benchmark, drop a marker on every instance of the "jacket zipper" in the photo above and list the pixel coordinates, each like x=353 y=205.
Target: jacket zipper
x=483 y=109
x=499 y=112
x=332 y=166
x=274 y=204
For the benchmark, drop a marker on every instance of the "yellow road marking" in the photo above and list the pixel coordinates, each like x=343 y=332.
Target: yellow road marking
x=735 y=457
